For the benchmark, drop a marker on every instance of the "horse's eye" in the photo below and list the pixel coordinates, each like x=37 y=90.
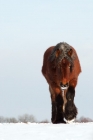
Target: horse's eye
x=70 y=68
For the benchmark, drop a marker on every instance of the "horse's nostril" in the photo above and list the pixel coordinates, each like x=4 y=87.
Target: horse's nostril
x=67 y=84
x=62 y=85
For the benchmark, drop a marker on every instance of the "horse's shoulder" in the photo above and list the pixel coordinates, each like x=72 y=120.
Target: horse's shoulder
x=76 y=62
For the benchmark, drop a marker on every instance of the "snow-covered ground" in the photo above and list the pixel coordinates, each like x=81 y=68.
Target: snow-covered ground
x=33 y=131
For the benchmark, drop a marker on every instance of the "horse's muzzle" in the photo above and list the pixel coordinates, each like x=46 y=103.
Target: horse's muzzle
x=63 y=87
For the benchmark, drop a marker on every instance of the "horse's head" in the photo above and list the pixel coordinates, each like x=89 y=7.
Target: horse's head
x=62 y=56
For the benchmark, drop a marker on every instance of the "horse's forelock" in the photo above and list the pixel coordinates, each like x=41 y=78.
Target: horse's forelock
x=64 y=48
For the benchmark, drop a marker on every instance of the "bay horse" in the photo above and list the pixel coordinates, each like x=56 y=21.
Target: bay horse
x=61 y=68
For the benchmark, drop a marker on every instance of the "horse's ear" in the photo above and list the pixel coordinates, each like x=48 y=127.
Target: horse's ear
x=58 y=52
x=70 y=52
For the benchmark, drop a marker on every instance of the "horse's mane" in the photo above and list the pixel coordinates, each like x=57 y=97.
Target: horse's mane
x=64 y=48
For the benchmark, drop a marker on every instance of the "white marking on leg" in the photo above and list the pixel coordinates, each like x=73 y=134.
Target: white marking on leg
x=64 y=99
x=69 y=121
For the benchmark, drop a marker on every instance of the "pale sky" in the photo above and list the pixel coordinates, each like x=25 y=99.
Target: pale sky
x=27 y=29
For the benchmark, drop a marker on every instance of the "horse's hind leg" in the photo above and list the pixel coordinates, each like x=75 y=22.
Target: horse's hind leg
x=70 y=108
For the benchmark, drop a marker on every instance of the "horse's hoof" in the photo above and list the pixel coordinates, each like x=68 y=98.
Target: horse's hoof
x=57 y=121
x=70 y=111
x=69 y=121
x=63 y=122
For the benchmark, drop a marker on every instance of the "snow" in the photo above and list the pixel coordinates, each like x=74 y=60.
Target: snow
x=48 y=131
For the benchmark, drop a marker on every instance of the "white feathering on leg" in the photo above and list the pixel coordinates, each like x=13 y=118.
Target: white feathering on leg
x=69 y=121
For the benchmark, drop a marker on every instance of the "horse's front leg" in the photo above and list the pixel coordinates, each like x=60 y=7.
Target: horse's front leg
x=60 y=112
x=70 y=108
x=57 y=105
x=54 y=105
x=54 y=112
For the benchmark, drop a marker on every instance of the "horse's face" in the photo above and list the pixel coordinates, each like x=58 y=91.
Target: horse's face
x=62 y=55
x=63 y=71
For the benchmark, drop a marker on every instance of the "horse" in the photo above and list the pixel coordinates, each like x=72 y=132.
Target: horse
x=61 y=68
